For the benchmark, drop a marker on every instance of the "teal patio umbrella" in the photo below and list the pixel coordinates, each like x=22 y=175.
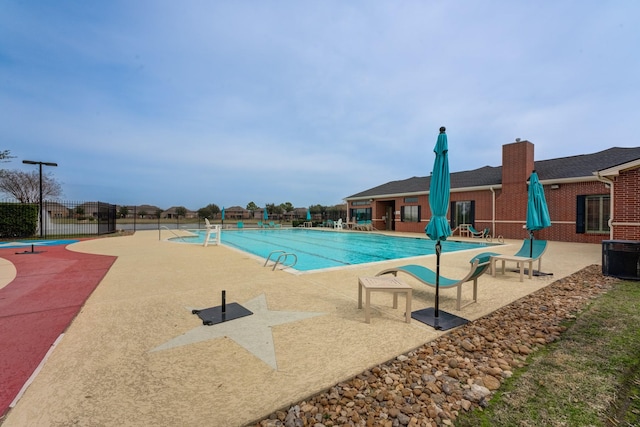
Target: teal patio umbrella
x=308 y=215
x=537 y=210
x=439 y=229
x=223 y=215
x=265 y=214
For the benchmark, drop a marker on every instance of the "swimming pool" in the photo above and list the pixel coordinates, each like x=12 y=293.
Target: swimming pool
x=27 y=243
x=320 y=249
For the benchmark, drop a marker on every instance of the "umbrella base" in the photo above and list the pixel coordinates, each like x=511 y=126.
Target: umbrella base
x=215 y=315
x=443 y=322
x=535 y=272
x=29 y=252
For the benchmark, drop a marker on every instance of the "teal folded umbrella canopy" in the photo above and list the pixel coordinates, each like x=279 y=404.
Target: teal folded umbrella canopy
x=223 y=213
x=537 y=210
x=438 y=227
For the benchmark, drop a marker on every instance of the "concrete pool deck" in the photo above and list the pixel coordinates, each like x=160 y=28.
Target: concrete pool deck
x=136 y=355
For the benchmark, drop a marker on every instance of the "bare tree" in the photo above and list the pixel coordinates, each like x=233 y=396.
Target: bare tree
x=5 y=155
x=25 y=186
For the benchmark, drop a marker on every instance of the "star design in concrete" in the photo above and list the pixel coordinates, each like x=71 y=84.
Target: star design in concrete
x=251 y=332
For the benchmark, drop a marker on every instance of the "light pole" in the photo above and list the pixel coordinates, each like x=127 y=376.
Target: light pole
x=31 y=162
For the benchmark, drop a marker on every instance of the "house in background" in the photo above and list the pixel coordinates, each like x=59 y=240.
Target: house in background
x=171 y=213
x=141 y=211
x=591 y=197
x=56 y=210
x=295 y=214
x=236 y=212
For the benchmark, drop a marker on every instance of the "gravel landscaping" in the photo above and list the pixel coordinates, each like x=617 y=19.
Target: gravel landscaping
x=457 y=372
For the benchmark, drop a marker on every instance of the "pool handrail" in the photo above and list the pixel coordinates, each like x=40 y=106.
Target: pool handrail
x=167 y=228
x=280 y=260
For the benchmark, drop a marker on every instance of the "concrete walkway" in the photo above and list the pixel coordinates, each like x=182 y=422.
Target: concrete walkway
x=136 y=355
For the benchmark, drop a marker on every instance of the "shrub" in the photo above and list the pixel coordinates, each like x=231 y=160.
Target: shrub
x=18 y=220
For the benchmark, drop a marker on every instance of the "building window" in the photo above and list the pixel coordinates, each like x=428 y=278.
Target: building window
x=361 y=214
x=462 y=213
x=597 y=214
x=361 y=203
x=593 y=214
x=411 y=200
x=410 y=214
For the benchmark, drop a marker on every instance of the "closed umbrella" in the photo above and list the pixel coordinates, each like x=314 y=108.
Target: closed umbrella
x=223 y=215
x=537 y=210
x=265 y=214
x=308 y=215
x=439 y=229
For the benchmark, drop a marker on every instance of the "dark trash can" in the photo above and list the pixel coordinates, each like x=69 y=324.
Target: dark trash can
x=621 y=259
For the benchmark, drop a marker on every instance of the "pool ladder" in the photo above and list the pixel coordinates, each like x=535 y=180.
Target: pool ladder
x=282 y=258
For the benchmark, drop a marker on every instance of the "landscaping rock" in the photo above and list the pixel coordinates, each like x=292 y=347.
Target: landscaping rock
x=465 y=366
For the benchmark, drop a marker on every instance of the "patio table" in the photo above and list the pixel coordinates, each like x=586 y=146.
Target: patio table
x=520 y=260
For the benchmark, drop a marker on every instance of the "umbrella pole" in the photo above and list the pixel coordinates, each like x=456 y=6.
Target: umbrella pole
x=530 y=244
x=438 y=251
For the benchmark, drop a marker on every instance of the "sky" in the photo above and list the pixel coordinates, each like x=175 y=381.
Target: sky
x=228 y=102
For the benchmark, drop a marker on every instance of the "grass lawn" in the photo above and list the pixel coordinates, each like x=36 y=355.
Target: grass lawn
x=591 y=377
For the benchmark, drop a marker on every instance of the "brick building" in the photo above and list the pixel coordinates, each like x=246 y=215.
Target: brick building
x=591 y=197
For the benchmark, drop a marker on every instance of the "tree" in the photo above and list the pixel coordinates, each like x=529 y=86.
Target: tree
x=274 y=209
x=287 y=206
x=318 y=210
x=252 y=207
x=181 y=211
x=5 y=155
x=25 y=186
x=79 y=210
x=123 y=211
x=210 y=211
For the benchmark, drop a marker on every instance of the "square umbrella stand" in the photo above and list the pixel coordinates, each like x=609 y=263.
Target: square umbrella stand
x=29 y=252
x=222 y=313
x=443 y=321
x=534 y=272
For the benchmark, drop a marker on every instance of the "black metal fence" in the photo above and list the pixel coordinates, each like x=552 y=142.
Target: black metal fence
x=55 y=219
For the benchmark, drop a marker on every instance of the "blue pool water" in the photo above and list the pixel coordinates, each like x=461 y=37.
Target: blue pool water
x=318 y=249
x=27 y=243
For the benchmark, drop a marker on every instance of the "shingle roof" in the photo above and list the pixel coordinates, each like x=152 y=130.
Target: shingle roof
x=585 y=164
x=562 y=168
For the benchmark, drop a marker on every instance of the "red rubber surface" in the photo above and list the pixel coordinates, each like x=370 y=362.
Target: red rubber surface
x=38 y=305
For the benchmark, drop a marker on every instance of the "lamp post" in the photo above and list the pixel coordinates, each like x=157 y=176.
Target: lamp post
x=31 y=162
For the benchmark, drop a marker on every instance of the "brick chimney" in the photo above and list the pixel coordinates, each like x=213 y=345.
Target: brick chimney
x=517 y=165
x=511 y=203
